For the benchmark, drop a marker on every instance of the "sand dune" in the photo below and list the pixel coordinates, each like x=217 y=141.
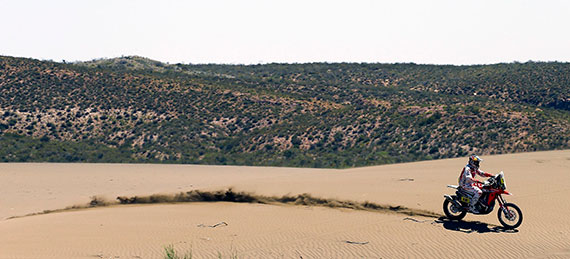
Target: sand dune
x=540 y=182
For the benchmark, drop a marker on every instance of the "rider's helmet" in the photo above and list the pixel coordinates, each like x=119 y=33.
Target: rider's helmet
x=474 y=161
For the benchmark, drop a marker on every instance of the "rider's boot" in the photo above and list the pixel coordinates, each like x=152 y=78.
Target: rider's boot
x=472 y=205
x=473 y=209
x=473 y=202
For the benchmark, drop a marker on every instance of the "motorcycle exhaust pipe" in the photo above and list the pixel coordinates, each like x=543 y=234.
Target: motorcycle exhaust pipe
x=447 y=197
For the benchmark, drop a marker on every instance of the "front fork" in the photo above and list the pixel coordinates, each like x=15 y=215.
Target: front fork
x=501 y=202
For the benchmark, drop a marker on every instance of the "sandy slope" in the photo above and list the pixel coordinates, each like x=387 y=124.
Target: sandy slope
x=540 y=182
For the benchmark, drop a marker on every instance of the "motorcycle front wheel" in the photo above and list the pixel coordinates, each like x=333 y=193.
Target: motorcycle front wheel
x=510 y=216
x=453 y=212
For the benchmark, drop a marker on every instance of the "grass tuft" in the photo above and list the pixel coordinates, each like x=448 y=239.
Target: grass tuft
x=170 y=253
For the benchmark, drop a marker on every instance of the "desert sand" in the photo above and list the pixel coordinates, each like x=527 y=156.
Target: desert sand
x=540 y=183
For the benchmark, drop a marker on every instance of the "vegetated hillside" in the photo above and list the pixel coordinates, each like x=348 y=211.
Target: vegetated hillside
x=133 y=109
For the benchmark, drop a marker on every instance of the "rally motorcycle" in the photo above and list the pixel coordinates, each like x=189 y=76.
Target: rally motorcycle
x=456 y=206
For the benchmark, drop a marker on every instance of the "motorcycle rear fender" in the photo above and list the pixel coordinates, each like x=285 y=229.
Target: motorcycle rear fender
x=450 y=199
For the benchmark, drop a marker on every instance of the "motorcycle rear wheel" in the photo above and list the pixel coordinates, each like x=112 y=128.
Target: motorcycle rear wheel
x=452 y=212
x=514 y=219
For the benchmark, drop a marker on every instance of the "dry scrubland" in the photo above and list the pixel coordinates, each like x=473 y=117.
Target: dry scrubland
x=540 y=182
x=320 y=115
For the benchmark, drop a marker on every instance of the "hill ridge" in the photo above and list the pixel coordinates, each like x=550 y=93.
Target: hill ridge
x=311 y=115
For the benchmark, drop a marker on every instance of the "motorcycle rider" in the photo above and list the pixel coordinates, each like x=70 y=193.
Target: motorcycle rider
x=468 y=183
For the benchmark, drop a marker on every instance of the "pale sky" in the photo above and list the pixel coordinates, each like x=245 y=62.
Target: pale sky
x=292 y=31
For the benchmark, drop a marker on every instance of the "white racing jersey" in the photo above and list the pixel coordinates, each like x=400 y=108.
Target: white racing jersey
x=466 y=179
